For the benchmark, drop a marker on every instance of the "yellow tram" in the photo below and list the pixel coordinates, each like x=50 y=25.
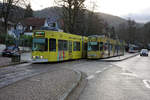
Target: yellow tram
x=102 y=47
x=53 y=46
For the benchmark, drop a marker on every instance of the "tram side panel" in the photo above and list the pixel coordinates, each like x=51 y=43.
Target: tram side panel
x=77 y=50
x=56 y=46
x=96 y=48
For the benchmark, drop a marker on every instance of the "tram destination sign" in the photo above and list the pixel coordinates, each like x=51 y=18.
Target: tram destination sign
x=39 y=34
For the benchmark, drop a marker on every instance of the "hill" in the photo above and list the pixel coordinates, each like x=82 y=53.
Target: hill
x=48 y=12
x=56 y=11
x=112 y=20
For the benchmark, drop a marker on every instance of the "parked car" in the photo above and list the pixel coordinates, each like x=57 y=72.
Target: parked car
x=11 y=51
x=144 y=52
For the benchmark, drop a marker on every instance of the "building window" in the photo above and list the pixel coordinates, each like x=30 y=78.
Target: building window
x=30 y=28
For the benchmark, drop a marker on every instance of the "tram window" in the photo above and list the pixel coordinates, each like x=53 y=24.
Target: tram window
x=52 y=44
x=106 y=46
x=101 y=46
x=40 y=44
x=93 y=46
x=60 y=45
x=76 y=46
x=46 y=45
x=65 y=46
x=116 y=47
x=110 y=46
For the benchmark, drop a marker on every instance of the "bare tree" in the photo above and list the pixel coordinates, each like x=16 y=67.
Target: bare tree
x=70 y=15
x=94 y=23
x=145 y=34
x=9 y=6
x=131 y=30
x=28 y=11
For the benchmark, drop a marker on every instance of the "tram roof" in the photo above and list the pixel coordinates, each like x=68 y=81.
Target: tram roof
x=97 y=36
x=49 y=33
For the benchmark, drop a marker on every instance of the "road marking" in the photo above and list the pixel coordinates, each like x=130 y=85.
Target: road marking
x=105 y=68
x=129 y=74
x=25 y=64
x=146 y=83
x=35 y=80
x=98 y=71
x=90 y=77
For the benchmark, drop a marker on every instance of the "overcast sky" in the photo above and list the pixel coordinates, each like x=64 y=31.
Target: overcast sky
x=137 y=9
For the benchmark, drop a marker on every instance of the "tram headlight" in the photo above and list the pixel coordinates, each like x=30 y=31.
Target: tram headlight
x=41 y=57
x=33 y=57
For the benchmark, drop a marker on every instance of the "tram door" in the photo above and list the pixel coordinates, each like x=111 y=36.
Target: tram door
x=70 y=49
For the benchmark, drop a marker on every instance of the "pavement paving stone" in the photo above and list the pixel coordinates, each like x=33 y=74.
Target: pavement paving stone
x=47 y=86
x=25 y=57
x=4 y=61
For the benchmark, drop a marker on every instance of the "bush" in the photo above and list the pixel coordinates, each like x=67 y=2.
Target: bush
x=2 y=38
x=24 y=40
x=9 y=41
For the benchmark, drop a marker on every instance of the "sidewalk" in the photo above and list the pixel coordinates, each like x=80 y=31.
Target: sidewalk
x=54 y=85
x=26 y=57
x=120 y=58
x=6 y=61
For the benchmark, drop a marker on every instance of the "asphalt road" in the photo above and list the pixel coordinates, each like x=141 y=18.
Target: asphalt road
x=125 y=80
x=11 y=74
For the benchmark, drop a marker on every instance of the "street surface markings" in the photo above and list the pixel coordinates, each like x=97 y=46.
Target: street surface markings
x=147 y=83
x=35 y=80
x=107 y=68
x=111 y=65
x=26 y=64
x=90 y=77
x=104 y=68
x=129 y=74
x=97 y=72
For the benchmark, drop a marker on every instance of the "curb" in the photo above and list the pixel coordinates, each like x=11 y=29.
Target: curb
x=74 y=86
x=120 y=59
x=17 y=63
x=75 y=94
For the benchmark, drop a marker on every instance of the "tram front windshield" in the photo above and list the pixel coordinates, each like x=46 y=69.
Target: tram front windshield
x=93 y=46
x=39 y=44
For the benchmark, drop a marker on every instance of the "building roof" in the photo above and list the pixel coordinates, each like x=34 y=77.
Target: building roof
x=33 y=21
